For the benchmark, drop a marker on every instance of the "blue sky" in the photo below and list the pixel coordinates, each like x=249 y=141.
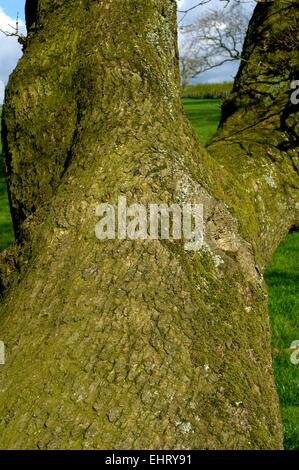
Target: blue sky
x=227 y=71
x=12 y=7
x=10 y=50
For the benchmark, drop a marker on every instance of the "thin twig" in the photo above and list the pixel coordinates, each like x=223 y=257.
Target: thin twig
x=21 y=38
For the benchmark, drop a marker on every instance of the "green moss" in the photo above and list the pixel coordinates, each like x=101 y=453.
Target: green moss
x=111 y=345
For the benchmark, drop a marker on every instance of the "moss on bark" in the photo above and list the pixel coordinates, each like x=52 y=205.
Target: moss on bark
x=139 y=344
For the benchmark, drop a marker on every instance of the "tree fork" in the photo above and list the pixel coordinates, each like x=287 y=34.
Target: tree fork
x=122 y=344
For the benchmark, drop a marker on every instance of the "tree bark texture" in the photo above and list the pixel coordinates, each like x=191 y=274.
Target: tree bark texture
x=141 y=344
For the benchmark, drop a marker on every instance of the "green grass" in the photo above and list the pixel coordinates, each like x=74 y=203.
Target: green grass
x=6 y=231
x=204 y=116
x=282 y=278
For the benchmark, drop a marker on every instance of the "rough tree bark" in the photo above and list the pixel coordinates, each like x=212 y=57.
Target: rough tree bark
x=124 y=344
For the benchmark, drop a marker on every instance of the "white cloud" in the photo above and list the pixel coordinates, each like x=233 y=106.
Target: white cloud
x=1 y=91
x=226 y=72
x=10 y=49
x=222 y=73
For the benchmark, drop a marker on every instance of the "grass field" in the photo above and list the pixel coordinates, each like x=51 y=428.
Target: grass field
x=282 y=278
x=207 y=90
x=204 y=116
x=6 y=231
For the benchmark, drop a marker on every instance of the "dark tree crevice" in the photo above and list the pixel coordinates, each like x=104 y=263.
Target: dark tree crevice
x=31 y=10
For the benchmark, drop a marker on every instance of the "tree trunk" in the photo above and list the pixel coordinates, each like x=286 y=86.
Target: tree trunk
x=141 y=344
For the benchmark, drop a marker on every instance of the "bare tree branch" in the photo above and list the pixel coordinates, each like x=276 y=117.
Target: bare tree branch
x=204 y=2
x=185 y=12
x=15 y=33
x=213 y=39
